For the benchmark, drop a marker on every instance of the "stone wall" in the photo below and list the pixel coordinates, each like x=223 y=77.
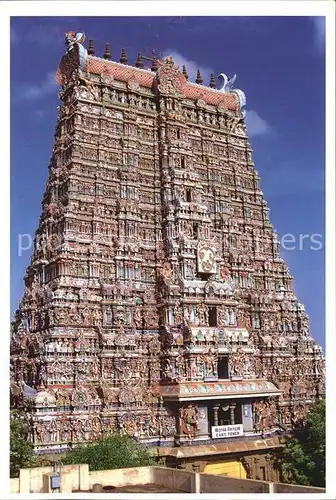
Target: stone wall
x=14 y=485
x=295 y=488
x=210 y=483
x=175 y=479
x=121 y=477
x=78 y=477
x=31 y=480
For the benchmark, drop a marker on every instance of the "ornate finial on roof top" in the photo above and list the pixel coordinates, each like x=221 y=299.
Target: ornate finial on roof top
x=227 y=82
x=199 y=78
x=123 y=57
x=212 y=81
x=139 y=63
x=73 y=43
x=184 y=72
x=227 y=86
x=169 y=61
x=91 y=50
x=155 y=64
x=107 y=53
x=71 y=37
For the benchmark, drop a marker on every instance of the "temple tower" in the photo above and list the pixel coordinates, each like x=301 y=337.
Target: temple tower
x=156 y=302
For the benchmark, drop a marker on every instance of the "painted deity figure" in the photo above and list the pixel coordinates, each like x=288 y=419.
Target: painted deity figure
x=209 y=364
x=202 y=314
x=179 y=367
x=65 y=430
x=193 y=369
x=265 y=415
x=189 y=421
x=167 y=272
x=167 y=370
x=238 y=363
x=233 y=319
x=178 y=315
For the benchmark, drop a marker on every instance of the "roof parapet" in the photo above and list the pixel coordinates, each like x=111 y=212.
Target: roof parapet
x=88 y=62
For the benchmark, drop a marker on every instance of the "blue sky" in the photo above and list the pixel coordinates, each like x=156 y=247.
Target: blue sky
x=280 y=65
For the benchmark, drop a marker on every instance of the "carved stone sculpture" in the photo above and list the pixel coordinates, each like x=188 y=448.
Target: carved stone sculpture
x=188 y=421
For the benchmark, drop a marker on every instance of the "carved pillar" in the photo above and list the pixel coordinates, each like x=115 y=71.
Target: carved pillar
x=232 y=414
x=196 y=467
x=273 y=472
x=256 y=472
x=248 y=465
x=43 y=273
x=215 y=414
x=268 y=468
x=179 y=432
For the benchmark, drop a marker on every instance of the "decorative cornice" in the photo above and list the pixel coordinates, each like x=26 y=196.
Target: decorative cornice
x=77 y=57
x=146 y=78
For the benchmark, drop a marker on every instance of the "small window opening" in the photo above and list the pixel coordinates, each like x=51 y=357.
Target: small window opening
x=223 y=367
x=262 y=473
x=212 y=316
x=188 y=193
x=224 y=415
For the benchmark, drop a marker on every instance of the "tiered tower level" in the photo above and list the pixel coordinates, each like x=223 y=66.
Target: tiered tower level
x=156 y=302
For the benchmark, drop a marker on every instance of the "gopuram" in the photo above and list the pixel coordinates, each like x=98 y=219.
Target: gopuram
x=156 y=302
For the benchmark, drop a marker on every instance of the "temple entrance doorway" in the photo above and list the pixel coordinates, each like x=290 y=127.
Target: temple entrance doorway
x=230 y=468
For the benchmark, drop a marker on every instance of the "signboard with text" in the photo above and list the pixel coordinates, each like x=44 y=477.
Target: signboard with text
x=227 y=431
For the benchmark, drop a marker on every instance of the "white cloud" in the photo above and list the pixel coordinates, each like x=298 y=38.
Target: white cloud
x=37 y=91
x=319 y=32
x=256 y=125
x=40 y=114
x=191 y=66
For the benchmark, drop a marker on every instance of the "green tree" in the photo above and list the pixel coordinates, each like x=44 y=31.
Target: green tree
x=303 y=459
x=21 y=450
x=110 y=452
